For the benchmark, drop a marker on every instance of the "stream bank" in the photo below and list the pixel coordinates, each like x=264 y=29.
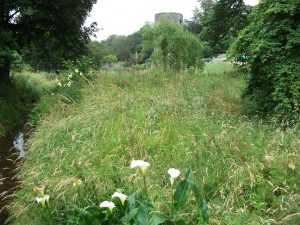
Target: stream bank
x=11 y=153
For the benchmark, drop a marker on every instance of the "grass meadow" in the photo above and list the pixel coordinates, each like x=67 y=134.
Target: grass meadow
x=248 y=170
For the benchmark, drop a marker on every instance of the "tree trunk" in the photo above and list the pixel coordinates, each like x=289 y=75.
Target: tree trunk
x=4 y=70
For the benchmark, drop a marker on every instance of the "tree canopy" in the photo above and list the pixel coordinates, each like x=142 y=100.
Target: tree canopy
x=222 y=25
x=53 y=30
x=217 y=22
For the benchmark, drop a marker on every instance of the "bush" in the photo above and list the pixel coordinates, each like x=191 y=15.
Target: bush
x=80 y=70
x=272 y=45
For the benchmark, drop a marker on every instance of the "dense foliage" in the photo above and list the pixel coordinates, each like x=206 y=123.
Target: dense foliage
x=125 y=48
x=48 y=31
x=218 y=22
x=97 y=50
x=272 y=45
x=172 y=45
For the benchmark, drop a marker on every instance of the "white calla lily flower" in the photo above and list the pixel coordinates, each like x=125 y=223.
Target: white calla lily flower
x=140 y=164
x=174 y=173
x=107 y=204
x=121 y=196
x=44 y=200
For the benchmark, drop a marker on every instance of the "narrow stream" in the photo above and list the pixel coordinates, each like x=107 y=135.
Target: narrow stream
x=11 y=152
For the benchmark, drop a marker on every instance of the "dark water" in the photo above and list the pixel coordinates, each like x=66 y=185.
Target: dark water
x=11 y=152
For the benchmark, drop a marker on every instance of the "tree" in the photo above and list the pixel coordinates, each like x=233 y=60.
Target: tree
x=125 y=47
x=272 y=45
x=109 y=59
x=52 y=29
x=134 y=41
x=206 y=6
x=172 y=45
x=118 y=46
x=222 y=25
x=195 y=25
x=98 y=50
x=218 y=22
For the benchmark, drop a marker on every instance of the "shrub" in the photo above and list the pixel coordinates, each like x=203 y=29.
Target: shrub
x=80 y=70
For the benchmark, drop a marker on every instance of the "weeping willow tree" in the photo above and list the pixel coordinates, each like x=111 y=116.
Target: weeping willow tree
x=171 y=45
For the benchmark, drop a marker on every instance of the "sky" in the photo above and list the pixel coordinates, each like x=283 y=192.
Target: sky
x=124 y=17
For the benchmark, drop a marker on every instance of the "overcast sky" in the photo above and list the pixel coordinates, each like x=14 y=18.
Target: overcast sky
x=124 y=17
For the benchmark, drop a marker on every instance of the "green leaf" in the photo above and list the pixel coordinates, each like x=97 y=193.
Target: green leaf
x=130 y=215
x=180 y=194
x=158 y=218
x=201 y=203
x=81 y=211
x=142 y=215
x=181 y=189
x=131 y=201
x=189 y=175
x=95 y=222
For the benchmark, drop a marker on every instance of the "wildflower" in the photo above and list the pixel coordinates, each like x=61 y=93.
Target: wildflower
x=81 y=73
x=143 y=166
x=107 y=204
x=59 y=84
x=174 y=173
x=121 y=196
x=76 y=70
x=140 y=164
x=44 y=200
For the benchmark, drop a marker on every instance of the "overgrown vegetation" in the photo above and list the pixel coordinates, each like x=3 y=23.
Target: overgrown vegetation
x=247 y=170
x=172 y=113
x=18 y=98
x=272 y=45
x=32 y=95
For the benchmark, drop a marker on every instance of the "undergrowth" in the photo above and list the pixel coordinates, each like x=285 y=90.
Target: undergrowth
x=248 y=170
x=19 y=96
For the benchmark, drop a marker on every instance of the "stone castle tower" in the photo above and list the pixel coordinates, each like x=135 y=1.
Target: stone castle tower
x=177 y=17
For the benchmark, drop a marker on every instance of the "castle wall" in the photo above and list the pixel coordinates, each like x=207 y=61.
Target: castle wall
x=177 y=17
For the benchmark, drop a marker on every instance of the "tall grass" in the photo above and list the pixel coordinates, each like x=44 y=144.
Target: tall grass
x=248 y=170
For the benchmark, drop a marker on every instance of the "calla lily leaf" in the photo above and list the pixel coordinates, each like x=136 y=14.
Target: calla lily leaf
x=159 y=218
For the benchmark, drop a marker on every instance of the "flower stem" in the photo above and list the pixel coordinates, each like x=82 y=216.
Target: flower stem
x=145 y=187
x=172 y=200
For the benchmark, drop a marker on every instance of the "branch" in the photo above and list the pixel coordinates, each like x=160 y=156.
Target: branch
x=12 y=15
